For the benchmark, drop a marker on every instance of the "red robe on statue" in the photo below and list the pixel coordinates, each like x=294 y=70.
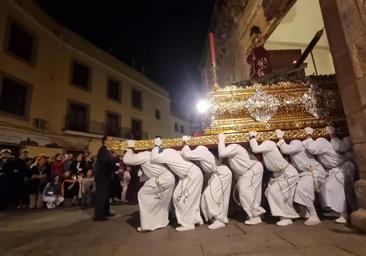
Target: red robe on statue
x=257 y=58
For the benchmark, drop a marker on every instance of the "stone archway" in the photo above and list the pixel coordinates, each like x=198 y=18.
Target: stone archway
x=345 y=23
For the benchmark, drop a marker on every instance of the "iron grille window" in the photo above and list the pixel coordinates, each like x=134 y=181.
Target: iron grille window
x=113 y=125
x=136 y=99
x=80 y=75
x=77 y=118
x=157 y=114
x=13 y=98
x=136 y=129
x=114 y=89
x=21 y=42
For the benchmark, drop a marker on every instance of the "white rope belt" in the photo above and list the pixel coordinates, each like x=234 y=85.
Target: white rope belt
x=251 y=185
x=184 y=192
x=218 y=203
x=283 y=171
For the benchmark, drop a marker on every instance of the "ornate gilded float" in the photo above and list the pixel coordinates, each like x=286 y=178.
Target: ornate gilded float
x=289 y=106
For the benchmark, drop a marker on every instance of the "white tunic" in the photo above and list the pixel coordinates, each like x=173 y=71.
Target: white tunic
x=302 y=159
x=312 y=173
x=345 y=147
x=249 y=173
x=216 y=196
x=332 y=193
x=240 y=160
x=281 y=189
x=155 y=195
x=186 y=196
x=324 y=151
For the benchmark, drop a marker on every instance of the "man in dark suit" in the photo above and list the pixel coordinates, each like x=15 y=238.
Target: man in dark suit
x=104 y=170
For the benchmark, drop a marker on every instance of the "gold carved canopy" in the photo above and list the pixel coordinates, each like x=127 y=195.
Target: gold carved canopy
x=289 y=106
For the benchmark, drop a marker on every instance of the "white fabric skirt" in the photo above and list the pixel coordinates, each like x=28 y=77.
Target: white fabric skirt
x=305 y=190
x=280 y=193
x=186 y=197
x=250 y=190
x=216 y=196
x=154 y=201
x=332 y=194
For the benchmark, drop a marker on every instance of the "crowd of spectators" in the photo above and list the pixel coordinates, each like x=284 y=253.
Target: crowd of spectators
x=53 y=181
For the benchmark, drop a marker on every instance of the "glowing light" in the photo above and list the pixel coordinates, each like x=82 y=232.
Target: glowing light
x=202 y=106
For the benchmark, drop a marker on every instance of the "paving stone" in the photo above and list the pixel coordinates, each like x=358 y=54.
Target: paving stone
x=267 y=242
x=313 y=251
x=175 y=248
x=72 y=232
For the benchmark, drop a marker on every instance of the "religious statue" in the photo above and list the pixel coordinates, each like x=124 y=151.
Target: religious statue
x=256 y=55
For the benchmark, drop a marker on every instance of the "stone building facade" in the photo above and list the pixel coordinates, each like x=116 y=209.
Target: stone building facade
x=58 y=89
x=345 y=26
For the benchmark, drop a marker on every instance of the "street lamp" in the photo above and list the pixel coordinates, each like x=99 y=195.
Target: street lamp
x=202 y=106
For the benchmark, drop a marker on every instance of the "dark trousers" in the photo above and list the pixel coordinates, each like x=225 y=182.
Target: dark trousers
x=3 y=191
x=116 y=188
x=102 y=193
x=16 y=187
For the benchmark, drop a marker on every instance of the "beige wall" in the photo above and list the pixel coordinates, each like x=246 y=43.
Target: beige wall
x=50 y=77
x=179 y=121
x=296 y=31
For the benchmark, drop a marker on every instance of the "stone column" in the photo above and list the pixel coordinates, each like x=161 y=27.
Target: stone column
x=345 y=24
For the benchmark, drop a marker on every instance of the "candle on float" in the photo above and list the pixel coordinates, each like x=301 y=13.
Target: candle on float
x=212 y=49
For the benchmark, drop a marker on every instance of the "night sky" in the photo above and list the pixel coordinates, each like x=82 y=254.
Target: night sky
x=166 y=37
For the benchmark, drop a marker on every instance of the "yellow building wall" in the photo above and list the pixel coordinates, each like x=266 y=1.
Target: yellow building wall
x=296 y=31
x=51 y=74
x=34 y=151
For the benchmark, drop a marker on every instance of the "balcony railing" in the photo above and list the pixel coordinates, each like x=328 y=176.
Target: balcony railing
x=103 y=129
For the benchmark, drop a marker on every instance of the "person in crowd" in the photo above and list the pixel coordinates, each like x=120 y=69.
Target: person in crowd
x=77 y=166
x=104 y=170
x=5 y=155
x=344 y=147
x=187 y=195
x=24 y=155
x=19 y=180
x=15 y=179
x=155 y=195
x=125 y=178
x=282 y=186
x=312 y=175
x=216 y=196
x=88 y=162
x=88 y=188
x=40 y=176
x=249 y=173
x=332 y=192
x=70 y=189
x=68 y=159
x=58 y=166
x=52 y=193
x=116 y=188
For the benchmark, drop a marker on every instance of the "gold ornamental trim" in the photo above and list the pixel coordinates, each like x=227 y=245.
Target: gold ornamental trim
x=209 y=140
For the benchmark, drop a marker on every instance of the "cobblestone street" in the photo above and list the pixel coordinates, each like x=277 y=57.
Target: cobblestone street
x=72 y=232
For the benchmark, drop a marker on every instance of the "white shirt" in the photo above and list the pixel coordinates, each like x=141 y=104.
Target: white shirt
x=324 y=151
x=173 y=159
x=143 y=160
x=272 y=157
x=302 y=159
x=341 y=145
x=238 y=157
x=207 y=160
x=344 y=146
